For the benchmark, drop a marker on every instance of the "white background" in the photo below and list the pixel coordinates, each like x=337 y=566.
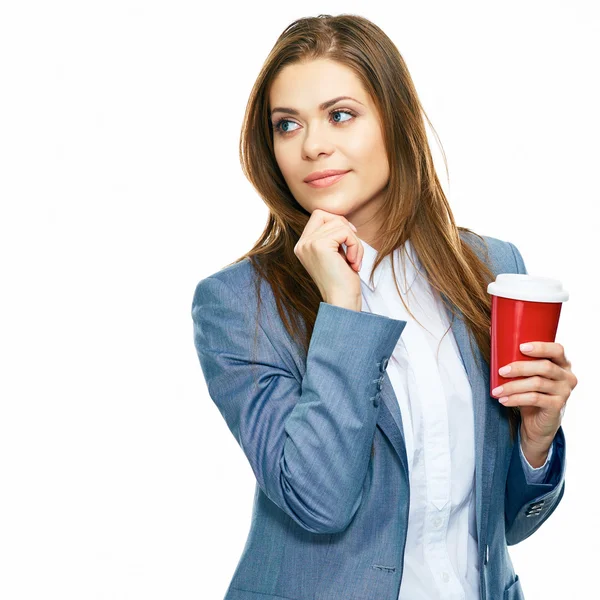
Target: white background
x=121 y=189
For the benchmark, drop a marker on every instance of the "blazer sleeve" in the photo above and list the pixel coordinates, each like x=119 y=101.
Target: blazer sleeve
x=528 y=505
x=308 y=442
x=535 y=474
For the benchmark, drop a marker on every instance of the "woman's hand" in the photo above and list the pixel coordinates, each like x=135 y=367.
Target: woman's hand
x=541 y=392
x=320 y=252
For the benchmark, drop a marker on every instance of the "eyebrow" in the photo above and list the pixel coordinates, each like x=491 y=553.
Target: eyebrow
x=323 y=106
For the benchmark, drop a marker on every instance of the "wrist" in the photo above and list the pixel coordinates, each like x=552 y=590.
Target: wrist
x=535 y=451
x=349 y=303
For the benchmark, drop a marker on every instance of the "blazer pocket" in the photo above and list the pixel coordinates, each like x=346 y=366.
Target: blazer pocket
x=514 y=591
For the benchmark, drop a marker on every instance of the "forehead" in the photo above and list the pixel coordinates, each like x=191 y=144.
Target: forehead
x=306 y=85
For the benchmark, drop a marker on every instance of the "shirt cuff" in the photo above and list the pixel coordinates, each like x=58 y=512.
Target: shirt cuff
x=534 y=474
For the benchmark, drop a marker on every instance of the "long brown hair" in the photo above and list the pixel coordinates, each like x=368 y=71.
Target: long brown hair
x=415 y=205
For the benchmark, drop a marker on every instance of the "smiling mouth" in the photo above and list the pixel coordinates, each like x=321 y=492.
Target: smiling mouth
x=326 y=181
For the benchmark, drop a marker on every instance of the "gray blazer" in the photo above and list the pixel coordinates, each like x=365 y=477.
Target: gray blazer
x=320 y=431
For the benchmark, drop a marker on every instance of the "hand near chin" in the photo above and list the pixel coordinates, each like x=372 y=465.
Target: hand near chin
x=320 y=252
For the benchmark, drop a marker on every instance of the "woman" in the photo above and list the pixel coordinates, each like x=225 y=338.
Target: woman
x=384 y=468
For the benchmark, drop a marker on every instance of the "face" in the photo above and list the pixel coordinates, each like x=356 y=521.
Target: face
x=346 y=135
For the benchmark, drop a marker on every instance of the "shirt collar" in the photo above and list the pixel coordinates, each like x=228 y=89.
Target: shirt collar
x=369 y=256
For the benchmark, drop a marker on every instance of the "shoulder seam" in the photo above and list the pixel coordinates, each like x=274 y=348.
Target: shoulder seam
x=512 y=249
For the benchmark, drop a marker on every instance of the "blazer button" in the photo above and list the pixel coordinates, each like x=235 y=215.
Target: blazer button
x=532 y=512
x=376 y=400
x=379 y=384
x=384 y=364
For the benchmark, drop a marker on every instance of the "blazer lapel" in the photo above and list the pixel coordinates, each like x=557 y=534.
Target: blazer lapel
x=486 y=415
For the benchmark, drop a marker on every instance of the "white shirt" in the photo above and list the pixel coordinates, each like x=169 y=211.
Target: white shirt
x=436 y=405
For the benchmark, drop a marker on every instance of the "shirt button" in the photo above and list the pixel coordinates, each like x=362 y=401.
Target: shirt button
x=445 y=577
x=437 y=522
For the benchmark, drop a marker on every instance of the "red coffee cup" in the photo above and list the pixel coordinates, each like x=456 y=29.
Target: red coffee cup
x=525 y=308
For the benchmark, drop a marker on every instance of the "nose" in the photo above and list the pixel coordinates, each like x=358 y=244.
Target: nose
x=315 y=143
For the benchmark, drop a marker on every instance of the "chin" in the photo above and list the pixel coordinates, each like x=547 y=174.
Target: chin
x=337 y=206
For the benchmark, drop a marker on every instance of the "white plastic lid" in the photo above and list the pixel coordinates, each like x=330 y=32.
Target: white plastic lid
x=519 y=286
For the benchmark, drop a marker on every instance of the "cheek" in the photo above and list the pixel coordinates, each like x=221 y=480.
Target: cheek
x=284 y=155
x=365 y=146
x=369 y=158
x=284 y=162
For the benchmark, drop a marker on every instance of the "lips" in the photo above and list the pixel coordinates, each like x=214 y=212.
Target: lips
x=322 y=174
x=325 y=182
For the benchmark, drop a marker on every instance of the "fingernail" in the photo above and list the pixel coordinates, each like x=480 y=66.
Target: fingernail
x=504 y=370
x=526 y=347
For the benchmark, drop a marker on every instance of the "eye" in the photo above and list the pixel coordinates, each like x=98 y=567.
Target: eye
x=280 y=131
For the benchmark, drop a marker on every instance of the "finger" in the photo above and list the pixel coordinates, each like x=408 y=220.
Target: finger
x=533 y=399
x=527 y=368
x=551 y=350
x=528 y=384
x=324 y=225
x=350 y=243
x=320 y=217
x=353 y=264
x=360 y=252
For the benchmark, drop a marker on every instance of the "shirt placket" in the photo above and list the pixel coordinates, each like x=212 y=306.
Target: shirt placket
x=435 y=441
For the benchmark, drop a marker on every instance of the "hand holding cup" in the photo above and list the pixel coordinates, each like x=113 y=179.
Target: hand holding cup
x=524 y=308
